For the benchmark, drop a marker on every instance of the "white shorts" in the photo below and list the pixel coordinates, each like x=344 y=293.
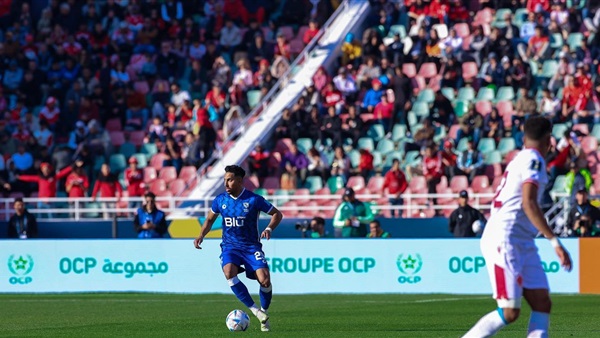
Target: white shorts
x=513 y=266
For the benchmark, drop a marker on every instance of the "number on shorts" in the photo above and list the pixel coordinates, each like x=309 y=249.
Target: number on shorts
x=259 y=256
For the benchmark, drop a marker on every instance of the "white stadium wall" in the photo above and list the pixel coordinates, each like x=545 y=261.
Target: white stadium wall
x=298 y=266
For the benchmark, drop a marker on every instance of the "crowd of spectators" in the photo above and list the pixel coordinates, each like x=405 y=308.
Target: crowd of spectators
x=440 y=90
x=85 y=81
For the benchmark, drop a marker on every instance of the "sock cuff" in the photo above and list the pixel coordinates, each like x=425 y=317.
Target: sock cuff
x=269 y=289
x=540 y=314
x=233 y=281
x=501 y=314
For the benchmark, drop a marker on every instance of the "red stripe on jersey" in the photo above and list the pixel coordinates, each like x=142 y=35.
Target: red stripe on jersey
x=500 y=283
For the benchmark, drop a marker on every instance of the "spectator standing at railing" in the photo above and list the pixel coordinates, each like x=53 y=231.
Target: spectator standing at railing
x=46 y=181
x=77 y=183
x=108 y=185
x=258 y=162
x=149 y=221
x=22 y=224
x=433 y=169
x=394 y=185
x=134 y=177
x=352 y=216
x=461 y=220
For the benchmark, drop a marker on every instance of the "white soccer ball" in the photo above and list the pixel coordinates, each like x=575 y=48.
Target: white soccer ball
x=477 y=226
x=237 y=320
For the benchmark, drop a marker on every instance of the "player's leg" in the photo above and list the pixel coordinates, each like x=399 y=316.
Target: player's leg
x=266 y=294
x=536 y=293
x=239 y=289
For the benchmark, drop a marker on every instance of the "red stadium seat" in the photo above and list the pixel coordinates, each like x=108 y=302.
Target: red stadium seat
x=356 y=183
x=450 y=199
x=283 y=145
x=323 y=191
x=137 y=137
x=158 y=185
x=453 y=133
x=117 y=138
x=287 y=31
x=290 y=209
x=187 y=173
x=166 y=196
x=375 y=184
x=493 y=170
x=582 y=127
x=417 y=183
x=114 y=125
x=589 y=144
x=486 y=200
x=150 y=174
x=510 y=156
x=168 y=174
x=462 y=29
x=428 y=70
x=251 y=182
x=470 y=70
x=409 y=70
x=302 y=192
x=505 y=107
x=458 y=183
x=421 y=84
x=483 y=107
x=157 y=160
x=296 y=46
x=271 y=183
x=176 y=187
x=479 y=183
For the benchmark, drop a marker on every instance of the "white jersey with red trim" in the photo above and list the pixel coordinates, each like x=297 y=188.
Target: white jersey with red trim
x=508 y=220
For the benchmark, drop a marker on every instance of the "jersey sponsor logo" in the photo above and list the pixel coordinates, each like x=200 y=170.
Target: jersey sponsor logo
x=409 y=265
x=246 y=206
x=233 y=221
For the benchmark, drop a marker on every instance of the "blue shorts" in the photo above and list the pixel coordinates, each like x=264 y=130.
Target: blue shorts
x=251 y=259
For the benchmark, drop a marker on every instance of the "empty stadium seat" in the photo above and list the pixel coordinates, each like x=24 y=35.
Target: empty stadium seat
x=506 y=145
x=480 y=182
x=158 y=185
x=417 y=183
x=485 y=94
x=458 y=183
x=251 y=182
x=385 y=146
x=375 y=184
x=409 y=70
x=426 y=95
x=313 y=183
x=483 y=107
x=157 y=160
x=271 y=183
x=356 y=182
x=149 y=149
x=466 y=94
x=462 y=29
x=589 y=144
x=428 y=70
x=127 y=149
x=187 y=172
x=376 y=132
x=137 y=137
x=176 y=187
x=164 y=199
x=168 y=173
x=117 y=138
x=334 y=183
x=253 y=97
x=470 y=70
x=304 y=144
x=114 y=125
x=492 y=157
x=150 y=174
x=486 y=145
x=399 y=132
x=117 y=163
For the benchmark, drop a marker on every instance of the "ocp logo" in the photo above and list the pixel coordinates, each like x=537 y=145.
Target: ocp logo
x=409 y=265
x=20 y=266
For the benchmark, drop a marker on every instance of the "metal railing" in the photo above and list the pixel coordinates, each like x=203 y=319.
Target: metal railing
x=277 y=87
x=61 y=208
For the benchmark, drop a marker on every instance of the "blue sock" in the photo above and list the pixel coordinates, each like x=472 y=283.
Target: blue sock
x=265 y=296
x=241 y=291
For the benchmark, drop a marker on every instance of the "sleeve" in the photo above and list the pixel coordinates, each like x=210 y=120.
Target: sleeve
x=215 y=206
x=64 y=172
x=32 y=227
x=452 y=222
x=96 y=188
x=12 y=231
x=263 y=205
x=531 y=170
x=161 y=227
x=480 y=216
x=479 y=162
x=29 y=178
x=136 y=221
x=570 y=218
x=403 y=183
x=338 y=220
x=368 y=217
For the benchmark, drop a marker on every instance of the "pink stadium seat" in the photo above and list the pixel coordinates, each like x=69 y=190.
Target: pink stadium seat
x=488 y=199
x=302 y=192
x=505 y=107
x=176 y=187
x=409 y=70
x=287 y=31
x=494 y=170
x=283 y=145
x=421 y=84
x=428 y=70
x=582 y=127
x=166 y=196
x=589 y=144
x=462 y=29
x=458 y=183
x=16 y=194
x=251 y=182
x=483 y=107
x=450 y=199
x=417 y=183
x=301 y=31
x=479 y=183
x=375 y=183
x=470 y=70
x=157 y=160
x=114 y=125
x=271 y=183
x=484 y=16
x=158 y=185
x=141 y=87
x=453 y=133
x=117 y=138
x=323 y=191
x=296 y=46
x=150 y=174
x=168 y=174
x=293 y=209
x=187 y=173
x=511 y=155
x=356 y=183
x=367 y=118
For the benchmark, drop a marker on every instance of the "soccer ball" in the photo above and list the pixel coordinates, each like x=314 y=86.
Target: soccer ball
x=237 y=320
x=477 y=226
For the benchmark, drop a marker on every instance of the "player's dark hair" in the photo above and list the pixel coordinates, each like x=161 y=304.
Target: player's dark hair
x=537 y=127
x=236 y=170
x=18 y=199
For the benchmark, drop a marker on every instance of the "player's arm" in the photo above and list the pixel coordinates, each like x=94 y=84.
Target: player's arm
x=536 y=216
x=208 y=223
x=276 y=217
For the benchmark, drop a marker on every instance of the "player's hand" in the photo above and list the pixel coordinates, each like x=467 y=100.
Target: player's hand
x=565 y=259
x=197 y=242
x=266 y=234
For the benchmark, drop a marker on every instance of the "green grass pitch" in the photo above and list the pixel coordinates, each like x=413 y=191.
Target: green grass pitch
x=169 y=315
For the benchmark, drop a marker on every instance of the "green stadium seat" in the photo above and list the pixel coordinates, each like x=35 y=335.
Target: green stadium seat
x=354 y=157
x=426 y=95
x=549 y=68
x=366 y=143
x=420 y=108
x=304 y=144
x=485 y=94
x=574 y=40
x=492 y=157
x=500 y=13
x=466 y=94
x=376 y=132
x=505 y=93
x=559 y=186
x=253 y=97
x=127 y=149
x=385 y=146
x=411 y=157
x=520 y=17
x=334 y=183
x=556 y=41
x=461 y=107
x=412 y=119
x=117 y=163
x=397 y=29
x=98 y=162
x=313 y=183
x=91 y=214
x=142 y=160
x=596 y=132
x=449 y=93
x=377 y=159
x=398 y=132
x=486 y=145
x=558 y=130
x=440 y=134
x=261 y=191
x=506 y=145
x=282 y=197
x=462 y=144
x=149 y=149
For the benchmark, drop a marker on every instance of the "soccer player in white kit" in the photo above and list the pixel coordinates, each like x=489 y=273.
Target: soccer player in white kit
x=512 y=259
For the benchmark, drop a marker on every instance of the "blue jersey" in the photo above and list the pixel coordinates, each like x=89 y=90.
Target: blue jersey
x=240 y=218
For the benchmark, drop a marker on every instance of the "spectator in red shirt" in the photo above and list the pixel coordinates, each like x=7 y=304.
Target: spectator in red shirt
x=457 y=12
x=134 y=177
x=571 y=97
x=311 y=32
x=283 y=47
x=536 y=6
x=50 y=112
x=46 y=181
x=394 y=185
x=109 y=187
x=77 y=182
x=437 y=10
x=365 y=164
x=537 y=47
x=258 y=162
x=383 y=113
x=433 y=169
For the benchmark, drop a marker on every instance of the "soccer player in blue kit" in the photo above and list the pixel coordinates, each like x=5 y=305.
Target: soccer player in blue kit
x=241 y=245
